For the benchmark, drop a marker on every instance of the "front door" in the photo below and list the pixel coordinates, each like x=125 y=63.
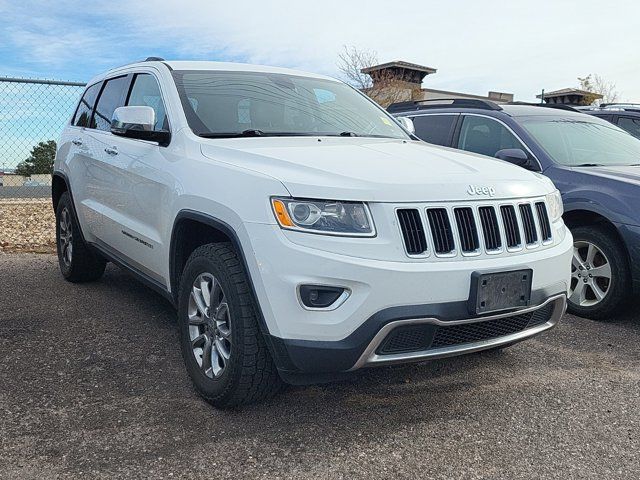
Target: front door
x=129 y=184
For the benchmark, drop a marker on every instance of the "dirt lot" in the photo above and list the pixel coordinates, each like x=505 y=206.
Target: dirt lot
x=27 y=225
x=92 y=385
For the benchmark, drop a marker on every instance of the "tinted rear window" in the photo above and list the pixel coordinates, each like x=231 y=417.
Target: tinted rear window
x=112 y=97
x=83 y=112
x=435 y=129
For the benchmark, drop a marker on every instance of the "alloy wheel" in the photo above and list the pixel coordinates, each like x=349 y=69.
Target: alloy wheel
x=66 y=237
x=590 y=275
x=209 y=325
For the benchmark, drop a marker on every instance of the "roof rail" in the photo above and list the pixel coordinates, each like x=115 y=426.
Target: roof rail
x=628 y=107
x=620 y=104
x=557 y=106
x=443 y=103
x=154 y=59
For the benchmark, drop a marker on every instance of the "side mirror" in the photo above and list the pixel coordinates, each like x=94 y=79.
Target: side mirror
x=407 y=123
x=138 y=123
x=514 y=155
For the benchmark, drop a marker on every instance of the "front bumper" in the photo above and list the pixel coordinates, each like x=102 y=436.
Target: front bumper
x=550 y=313
x=381 y=293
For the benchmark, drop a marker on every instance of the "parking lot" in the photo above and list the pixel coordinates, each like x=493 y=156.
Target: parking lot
x=92 y=384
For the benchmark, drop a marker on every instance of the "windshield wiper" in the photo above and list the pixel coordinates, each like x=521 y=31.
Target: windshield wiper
x=254 y=132
x=348 y=134
x=589 y=165
x=245 y=133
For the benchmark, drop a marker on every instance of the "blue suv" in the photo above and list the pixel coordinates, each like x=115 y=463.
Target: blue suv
x=594 y=164
x=624 y=115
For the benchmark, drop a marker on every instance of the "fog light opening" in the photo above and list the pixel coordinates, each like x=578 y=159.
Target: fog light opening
x=322 y=296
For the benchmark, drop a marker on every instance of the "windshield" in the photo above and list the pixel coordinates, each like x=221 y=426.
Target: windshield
x=584 y=143
x=229 y=104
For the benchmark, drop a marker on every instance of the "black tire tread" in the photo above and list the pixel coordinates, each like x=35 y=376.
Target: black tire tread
x=256 y=377
x=86 y=266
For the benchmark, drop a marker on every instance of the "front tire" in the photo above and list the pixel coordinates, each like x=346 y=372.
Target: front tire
x=223 y=349
x=77 y=262
x=600 y=274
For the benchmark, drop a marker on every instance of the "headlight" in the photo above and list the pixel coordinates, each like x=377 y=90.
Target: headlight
x=555 y=206
x=324 y=216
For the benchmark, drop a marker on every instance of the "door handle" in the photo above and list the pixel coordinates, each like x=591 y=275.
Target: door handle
x=111 y=150
x=77 y=141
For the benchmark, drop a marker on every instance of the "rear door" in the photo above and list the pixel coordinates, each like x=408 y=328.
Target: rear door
x=74 y=152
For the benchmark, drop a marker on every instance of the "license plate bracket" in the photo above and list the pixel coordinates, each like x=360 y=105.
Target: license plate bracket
x=498 y=291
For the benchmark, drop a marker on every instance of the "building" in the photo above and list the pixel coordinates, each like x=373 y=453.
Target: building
x=401 y=81
x=570 y=96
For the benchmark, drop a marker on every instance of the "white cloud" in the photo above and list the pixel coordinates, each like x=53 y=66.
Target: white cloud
x=516 y=46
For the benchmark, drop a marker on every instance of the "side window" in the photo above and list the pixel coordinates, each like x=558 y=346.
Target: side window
x=85 y=107
x=145 y=92
x=435 y=129
x=631 y=125
x=112 y=97
x=485 y=136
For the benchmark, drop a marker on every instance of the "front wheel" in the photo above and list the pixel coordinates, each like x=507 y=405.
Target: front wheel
x=223 y=348
x=600 y=274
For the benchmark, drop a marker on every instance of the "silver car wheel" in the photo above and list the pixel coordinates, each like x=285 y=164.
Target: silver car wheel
x=209 y=325
x=590 y=275
x=66 y=237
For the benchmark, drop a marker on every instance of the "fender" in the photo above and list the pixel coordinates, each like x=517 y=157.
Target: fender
x=280 y=357
x=65 y=179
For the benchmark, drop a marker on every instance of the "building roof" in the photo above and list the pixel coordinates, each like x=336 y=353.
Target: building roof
x=569 y=91
x=400 y=64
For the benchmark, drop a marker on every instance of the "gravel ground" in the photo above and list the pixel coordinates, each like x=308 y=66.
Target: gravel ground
x=92 y=384
x=27 y=225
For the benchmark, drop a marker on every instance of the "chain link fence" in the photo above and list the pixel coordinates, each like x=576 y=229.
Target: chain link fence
x=32 y=115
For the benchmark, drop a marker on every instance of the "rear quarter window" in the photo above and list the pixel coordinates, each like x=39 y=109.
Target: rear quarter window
x=85 y=107
x=436 y=129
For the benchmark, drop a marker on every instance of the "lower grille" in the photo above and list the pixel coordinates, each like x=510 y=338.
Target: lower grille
x=415 y=338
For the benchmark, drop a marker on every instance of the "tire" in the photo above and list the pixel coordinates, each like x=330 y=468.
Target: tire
x=223 y=349
x=601 y=275
x=77 y=262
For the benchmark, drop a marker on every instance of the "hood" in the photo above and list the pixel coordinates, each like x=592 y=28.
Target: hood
x=623 y=173
x=382 y=170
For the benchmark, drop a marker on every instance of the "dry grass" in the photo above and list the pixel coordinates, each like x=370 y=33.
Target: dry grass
x=27 y=225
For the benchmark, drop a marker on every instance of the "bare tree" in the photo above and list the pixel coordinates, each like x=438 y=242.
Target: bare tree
x=381 y=86
x=596 y=84
x=351 y=62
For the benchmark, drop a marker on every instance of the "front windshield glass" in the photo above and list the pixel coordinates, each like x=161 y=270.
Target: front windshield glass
x=577 y=143
x=229 y=104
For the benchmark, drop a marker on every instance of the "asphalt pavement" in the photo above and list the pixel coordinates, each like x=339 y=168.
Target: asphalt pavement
x=92 y=385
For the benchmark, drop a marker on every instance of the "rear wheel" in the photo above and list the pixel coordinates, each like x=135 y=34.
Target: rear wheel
x=77 y=262
x=600 y=274
x=223 y=348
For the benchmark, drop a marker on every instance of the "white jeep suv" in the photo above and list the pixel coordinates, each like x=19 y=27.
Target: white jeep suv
x=300 y=230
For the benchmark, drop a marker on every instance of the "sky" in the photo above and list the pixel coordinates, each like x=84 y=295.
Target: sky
x=517 y=46
x=513 y=46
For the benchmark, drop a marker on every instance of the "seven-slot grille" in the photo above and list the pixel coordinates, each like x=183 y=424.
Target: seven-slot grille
x=512 y=226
